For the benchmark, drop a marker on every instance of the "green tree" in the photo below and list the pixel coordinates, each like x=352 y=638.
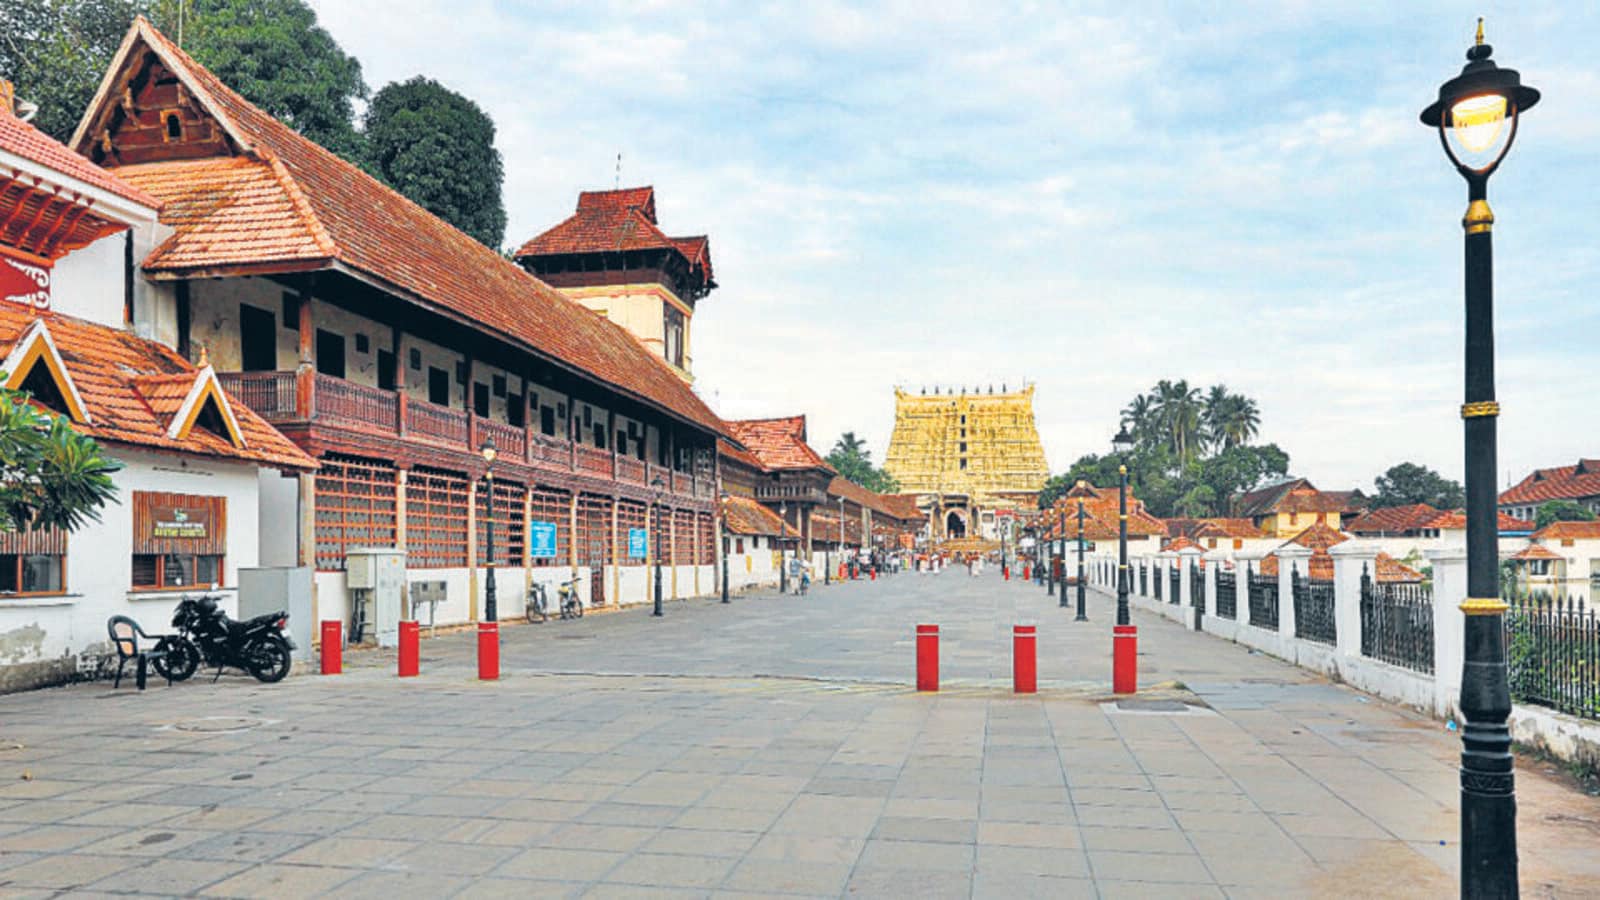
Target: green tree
x=1408 y=483
x=1230 y=419
x=56 y=51
x=1562 y=511
x=275 y=54
x=50 y=475
x=853 y=461
x=437 y=148
x=1238 y=469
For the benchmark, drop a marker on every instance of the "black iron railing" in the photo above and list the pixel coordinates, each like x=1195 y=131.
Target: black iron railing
x=1174 y=584
x=1553 y=653
x=1197 y=587
x=1157 y=579
x=1144 y=579
x=1313 y=610
x=1227 y=595
x=1263 y=590
x=1397 y=623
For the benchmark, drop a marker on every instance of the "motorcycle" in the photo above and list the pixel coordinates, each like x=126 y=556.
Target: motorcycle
x=206 y=634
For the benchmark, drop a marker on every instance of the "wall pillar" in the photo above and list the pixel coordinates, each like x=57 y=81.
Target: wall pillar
x=1349 y=559
x=1291 y=559
x=1449 y=626
x=306 y=546
x=1245 y=563
x=472 y=551
x=1188 y=559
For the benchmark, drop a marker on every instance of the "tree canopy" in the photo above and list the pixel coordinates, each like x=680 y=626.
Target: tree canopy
x=437 y=148
x=1409 y=483
x=1562 y=511
x=50 y=475
x=56 y=51
x=853 y=461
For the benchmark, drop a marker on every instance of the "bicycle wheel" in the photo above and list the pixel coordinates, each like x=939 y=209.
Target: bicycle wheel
x=577 y=609
x=536 y=605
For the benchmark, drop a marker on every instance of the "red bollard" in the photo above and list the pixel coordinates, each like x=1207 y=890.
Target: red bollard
x=1124 y=659
x=332 y=646
x=1024 y=659
x=410 y=650
x=1006 y=571
x=1027 y=573
x=927 y=657
x=488 y=651
x=841 y=571
x=874 y=571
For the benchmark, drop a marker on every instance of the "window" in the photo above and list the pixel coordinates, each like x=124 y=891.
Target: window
x=33 y=562
x=355 y=507
x=363 y=345
x=258 y=339
x=515 y=415
x=438 y=386
x=509 y=525
x=499 y=385
x=672 y=335
x=551 y=506
x=386 y=371
x=415 y=358
x=178 y=540
x=174 y=126
x=681 y=537
x=291 y=312
x=330 y=353
x=436 y=519
x=480 y=398
x=598 y=430
x=547 y=420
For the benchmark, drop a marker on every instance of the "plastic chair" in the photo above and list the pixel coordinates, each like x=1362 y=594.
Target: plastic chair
x=125 y=634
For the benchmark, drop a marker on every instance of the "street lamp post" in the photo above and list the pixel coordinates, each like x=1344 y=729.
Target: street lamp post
x=1061 y=524
x=488 y=450
x=660 y=487
x=1124 y=636
x=726 y=546
x=841 y=529
x=783 y=561
x=1082 y=615
x=1476 y=115
x=1050 y=558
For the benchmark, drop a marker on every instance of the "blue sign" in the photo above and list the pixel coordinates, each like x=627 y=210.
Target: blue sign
x=638 y=545
x=542 y=537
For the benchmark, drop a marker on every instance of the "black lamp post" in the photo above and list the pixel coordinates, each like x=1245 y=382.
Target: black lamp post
x=490 y=612
x=726 y=546
x=1083 y=615
x=660 y=487
x=841 y=533
x=1476 y=116
x=1061 y=526
x=783 y=561
x=1121 y=444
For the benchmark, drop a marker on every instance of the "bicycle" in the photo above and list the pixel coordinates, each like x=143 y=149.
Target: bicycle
x=538 y=603
x=571 y=605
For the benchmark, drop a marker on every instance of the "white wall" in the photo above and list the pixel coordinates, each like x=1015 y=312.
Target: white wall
x=99 y=564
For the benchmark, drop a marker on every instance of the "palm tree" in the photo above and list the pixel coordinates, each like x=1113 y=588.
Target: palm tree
x=1139 y=417
x=1178 y=409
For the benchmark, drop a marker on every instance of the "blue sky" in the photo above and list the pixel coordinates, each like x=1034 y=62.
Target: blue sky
x=1091 y=196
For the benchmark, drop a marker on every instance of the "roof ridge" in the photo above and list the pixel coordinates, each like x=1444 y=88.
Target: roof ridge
x=302 y=205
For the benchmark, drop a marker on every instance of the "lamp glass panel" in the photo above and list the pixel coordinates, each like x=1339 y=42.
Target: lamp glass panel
x=1478 y=130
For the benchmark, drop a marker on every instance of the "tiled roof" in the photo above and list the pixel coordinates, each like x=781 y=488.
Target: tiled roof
x=1296 y=495
x=292 y=204
x=1101 y=508
x=1181 y=543
x=1456 y=519
x=1578 y=481
x=746 y=516
x=778 y=443
x=1583 y=531
x=1536 y=551
x=1227 y=528
x=825 y=528
x=615 y=221
x=1318 y=537
x=878 y=503
x=28 y=142
x=728 y=451
x=128 y=386
x=903 y=507
x=1350 y=502
x=1393 y=519
x=1320 y=567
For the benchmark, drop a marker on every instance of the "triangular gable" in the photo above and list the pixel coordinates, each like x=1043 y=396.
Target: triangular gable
x=36 y=347
x=206 y=393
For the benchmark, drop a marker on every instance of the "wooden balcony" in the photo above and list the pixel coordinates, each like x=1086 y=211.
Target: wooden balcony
x=288 y=400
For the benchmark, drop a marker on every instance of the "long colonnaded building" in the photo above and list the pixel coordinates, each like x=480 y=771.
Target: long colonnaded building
x=967 y=455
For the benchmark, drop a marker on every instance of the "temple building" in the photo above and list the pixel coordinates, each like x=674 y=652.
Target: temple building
x=966 y=455
x=611 y=256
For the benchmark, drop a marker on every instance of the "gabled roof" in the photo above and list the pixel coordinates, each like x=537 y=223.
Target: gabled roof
x=903 y=507
x=1297 y=495
x=128 y=385
x=617 y=221
x=284 y=204
x=36 y=347
x=1456 y=520
x=1394 y=519
x=727 y=450
x=1578 y=481
x=28 y=142
x=746 y=516
x=1181 y=543
x=778 y=443
x=1583 y=531
x=1537 y=551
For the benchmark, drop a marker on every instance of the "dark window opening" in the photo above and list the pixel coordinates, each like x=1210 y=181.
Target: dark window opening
x=499 y=385
x=622 y=443
x=291 y=312
x=362 y=344
x=461 y=373
x=547 y=420
x=480 y=398
x=438 y=386
x=258 y=340
x=32 y=573
x=42 y=386
x=516 y=412
x=599 y=432
x=174 y=126
x=672 y=335
x=330 y=353
x=416 y=359
x=173 y=570
x=386 y=371
x=210 y=419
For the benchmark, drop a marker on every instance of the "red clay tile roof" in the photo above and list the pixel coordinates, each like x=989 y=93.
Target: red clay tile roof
x=320 y=204
x=1181 y=543
x=1536 y=551
x=1318 y=537
x=778 y=443
x=615 y=221
x=1227 y=528
x=1320 y=567
x=1296 y=495
x=904 y=507
x=855 y=493
x=746 y=516
x=127 y=384
x=1101 y=507
x=1578 y=481
x=1584 y=531
x=825 y=528
x=1395 y=519
x=1456 y=519
x=28 y=142
x=739 y=455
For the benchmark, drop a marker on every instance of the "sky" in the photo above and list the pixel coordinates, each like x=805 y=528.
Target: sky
x=1087 y=197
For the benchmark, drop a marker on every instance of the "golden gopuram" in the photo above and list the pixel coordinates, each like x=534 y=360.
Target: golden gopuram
x=969 y=456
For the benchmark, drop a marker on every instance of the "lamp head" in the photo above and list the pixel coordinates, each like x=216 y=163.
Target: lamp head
x=1123 y=442
x=1477 y=111
x=488 y=450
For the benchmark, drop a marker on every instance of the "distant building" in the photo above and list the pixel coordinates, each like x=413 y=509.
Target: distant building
x=1579 y=483
x=1289 y=507
x=610 y=256
x=967 y=455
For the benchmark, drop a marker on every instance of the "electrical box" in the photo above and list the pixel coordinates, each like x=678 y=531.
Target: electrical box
x=376 y=577
x=268 y=589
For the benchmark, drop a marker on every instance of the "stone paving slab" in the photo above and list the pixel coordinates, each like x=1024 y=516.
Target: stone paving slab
x=772 y=746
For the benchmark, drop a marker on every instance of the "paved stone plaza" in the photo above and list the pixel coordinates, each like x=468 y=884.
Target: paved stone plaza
x=773 y=746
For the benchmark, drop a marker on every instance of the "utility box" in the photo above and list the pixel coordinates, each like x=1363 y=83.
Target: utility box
x=376 y=580
x=268 y=589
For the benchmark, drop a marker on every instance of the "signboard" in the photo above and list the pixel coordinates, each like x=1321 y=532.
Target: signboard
x=542 y=540
x=1005 y=514
x=638 y=543
x=24 y=281
x=179 y=522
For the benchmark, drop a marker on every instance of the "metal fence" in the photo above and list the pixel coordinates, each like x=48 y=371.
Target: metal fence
x=1156 y=577
x=1227 y=594
x=1553 y=654
x=1144 y=578
x=1197 y=587
x=1397 y=623
x=1263 y=590
x=1175 y=584
x=1313 y=610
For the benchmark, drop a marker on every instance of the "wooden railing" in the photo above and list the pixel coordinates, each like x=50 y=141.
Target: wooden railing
x=276 y=397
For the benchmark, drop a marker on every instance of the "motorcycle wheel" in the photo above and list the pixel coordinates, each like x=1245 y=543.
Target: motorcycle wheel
x=577 y=610
x=181 y=659
x=268 y=660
